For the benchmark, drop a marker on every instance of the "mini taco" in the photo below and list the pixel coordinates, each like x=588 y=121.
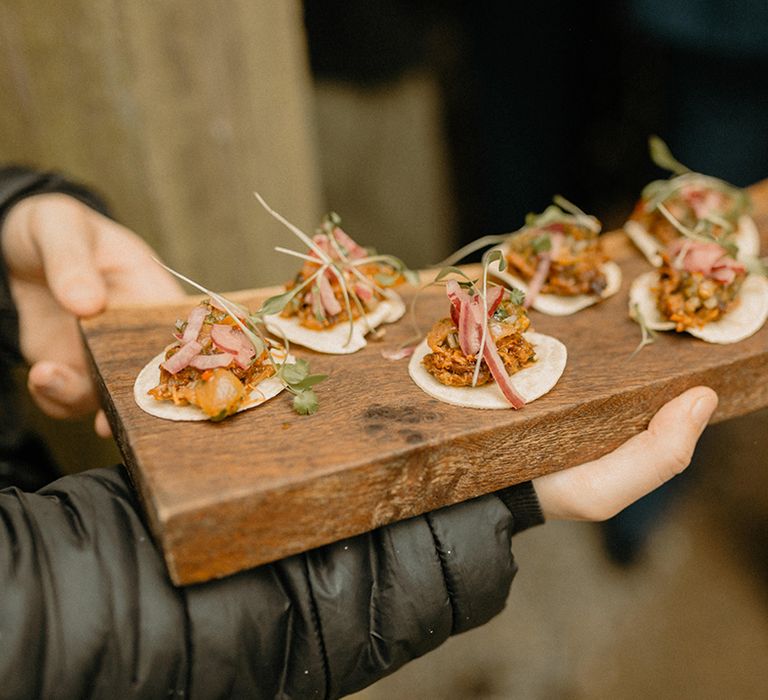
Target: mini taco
x=485 y=355
x=341 y=294
x=701 y=290
x=558 y=261
x=211 y=370
x=711 y=208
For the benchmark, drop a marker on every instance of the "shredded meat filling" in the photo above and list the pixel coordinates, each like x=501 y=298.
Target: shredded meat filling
x=450 y=366
x=311 y=316
x=575 y=267
x=181 y=388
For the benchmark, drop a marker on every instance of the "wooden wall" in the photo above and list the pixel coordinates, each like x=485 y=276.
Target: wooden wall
x=177 y=111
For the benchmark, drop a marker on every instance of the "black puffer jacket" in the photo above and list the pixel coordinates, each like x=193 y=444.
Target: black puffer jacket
x=87 y=609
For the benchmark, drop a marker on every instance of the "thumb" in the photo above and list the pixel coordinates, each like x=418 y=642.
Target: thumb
x=65 y=241
x=599 y=489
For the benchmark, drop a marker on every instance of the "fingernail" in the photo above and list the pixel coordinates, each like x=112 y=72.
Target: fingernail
x=703 y=408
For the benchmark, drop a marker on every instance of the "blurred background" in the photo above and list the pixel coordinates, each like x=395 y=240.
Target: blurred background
x=426 y=125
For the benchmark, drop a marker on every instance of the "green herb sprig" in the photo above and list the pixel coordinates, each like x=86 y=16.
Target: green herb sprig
x=298 y=380
x=702 y=232
x=659 y=191
x=541 y=244
x=648 y=335
x=562 y=211
x=662 y=156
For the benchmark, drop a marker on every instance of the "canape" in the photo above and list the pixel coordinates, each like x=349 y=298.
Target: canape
x=709 y=207
x=211 y=370
x=485 y=355
x=342 y=293
x=700 y=289
x=557 y=260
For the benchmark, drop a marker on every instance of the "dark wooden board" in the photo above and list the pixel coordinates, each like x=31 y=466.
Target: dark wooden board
x=268 y=483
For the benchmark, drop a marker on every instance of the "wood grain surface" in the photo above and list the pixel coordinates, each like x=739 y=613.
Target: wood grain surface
x=268 y=483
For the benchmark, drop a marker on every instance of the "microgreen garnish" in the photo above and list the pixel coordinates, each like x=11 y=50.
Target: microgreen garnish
x=471 y=285
x=702 y=232
x=494 y=256
x=569 y=206
x=731 y=248
x=300 y=383
x=305 y=402
x=659 y=191
x=342 y=262
x=276 y=304
x=516 y=296
x=562 y=211
x=472 y=247
x=648 y=334
x=501 y=313
x=331 y=219
x=295 y=376
x=541 y=243
x=452 y=270
x=386 y=280
x=662 y=156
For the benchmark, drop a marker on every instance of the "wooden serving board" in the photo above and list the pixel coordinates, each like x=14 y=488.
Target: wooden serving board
x=268 y=483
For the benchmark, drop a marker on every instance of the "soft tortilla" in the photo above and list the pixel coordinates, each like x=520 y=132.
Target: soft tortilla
x=558 y=305
x=531 y=382
x=149 y=377
x=739 y=323
x=333 y=341
x=746 y=238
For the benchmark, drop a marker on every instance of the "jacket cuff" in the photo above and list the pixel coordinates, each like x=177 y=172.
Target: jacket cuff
x=17 y=183
x=524 y=505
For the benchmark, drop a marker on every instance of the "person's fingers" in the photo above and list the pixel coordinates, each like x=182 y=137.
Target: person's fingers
x=134 y=273
x=599 y=489
x=60 y=390
x=64 y=238
x=101 y=425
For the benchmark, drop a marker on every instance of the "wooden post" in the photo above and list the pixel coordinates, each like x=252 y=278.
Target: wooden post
x=177 y=111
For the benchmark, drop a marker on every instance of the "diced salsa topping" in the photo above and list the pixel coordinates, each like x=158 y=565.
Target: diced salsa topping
x=563 y=257
x=209 y=360
x=698 y=283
